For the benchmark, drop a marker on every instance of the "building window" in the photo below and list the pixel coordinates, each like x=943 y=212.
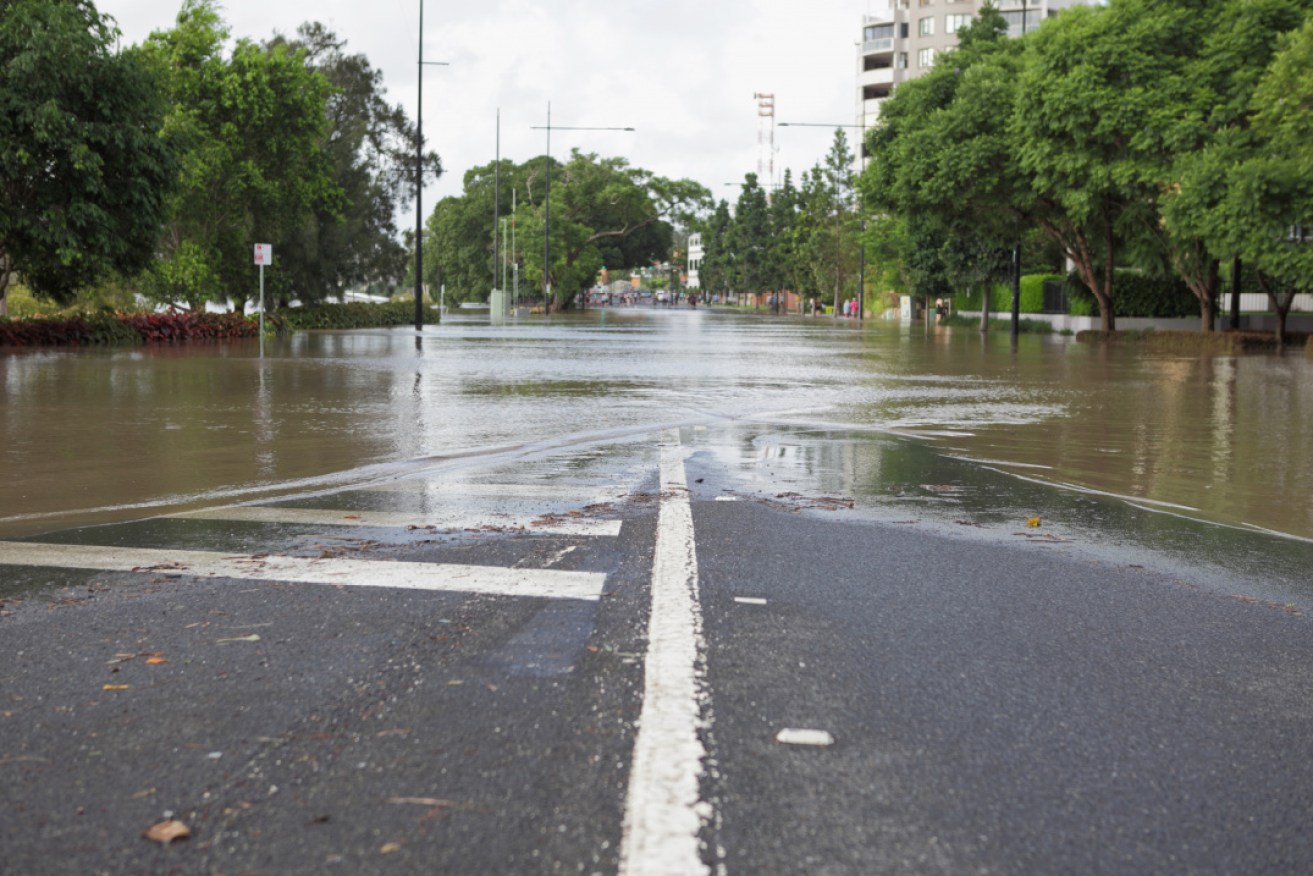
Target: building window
x=925 y=58
x=902 y=60
x=953 y=22
x=926 y=26
x=879 y=32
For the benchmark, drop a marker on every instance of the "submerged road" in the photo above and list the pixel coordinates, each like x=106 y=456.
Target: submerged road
x=643 y=666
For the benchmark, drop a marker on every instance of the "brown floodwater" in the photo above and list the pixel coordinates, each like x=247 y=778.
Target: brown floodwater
x=96 y=435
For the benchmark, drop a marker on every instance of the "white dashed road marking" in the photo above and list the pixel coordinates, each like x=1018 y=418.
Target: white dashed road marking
x=491 y=580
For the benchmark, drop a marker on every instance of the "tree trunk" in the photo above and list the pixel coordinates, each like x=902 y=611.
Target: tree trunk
x=984 y=308
x=1107 y=313
x=1235 y=293
x=1282 y=308
x=4 y=286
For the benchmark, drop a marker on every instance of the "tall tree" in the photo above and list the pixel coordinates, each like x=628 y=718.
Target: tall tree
x=84 y=170
x=370 y=148
x=717 y=261
x=784 y=267
x=254 y=171
x=1242 y=177
x=750 y=237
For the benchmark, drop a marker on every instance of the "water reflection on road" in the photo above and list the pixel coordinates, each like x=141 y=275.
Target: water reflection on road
x=96 y=435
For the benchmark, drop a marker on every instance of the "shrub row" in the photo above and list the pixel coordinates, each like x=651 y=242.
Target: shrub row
x=123 y=328
x=1134 y=295
x=354 y=314
x=1137 y=295
x=179 y=326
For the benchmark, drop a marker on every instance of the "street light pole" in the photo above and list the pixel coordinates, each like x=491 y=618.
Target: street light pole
x=419 y=177
x=547 y=201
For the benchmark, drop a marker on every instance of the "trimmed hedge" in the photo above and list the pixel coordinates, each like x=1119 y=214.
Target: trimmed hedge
x=124 y=328
x=181 y=325
x=354 y=314
x=1136 y=295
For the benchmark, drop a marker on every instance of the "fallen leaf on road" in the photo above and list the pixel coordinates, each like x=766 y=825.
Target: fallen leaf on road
x=1032 y=521
x=253 y=637
x=116 y=687
x=166 y=832
x=389 y=848
x=155 y=661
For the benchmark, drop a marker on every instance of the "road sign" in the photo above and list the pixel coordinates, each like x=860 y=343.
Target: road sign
x=264 y=254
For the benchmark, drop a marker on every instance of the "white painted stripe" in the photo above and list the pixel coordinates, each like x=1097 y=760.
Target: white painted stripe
x=402 y=519
x=663 y=813
x=794 y=736
x=727 y=498
x=547 y=583
x=749 y=600
x=587 y=494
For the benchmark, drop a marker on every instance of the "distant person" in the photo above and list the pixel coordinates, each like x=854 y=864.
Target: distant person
x=941 y=310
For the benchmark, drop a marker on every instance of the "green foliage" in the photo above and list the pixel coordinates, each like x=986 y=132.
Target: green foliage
x=1140 y=295
x=352 y=315
x=1032 y=291
x=83 y=170
x=108 y=328
x=369 y=146
x=255 y=170
x=603 y=213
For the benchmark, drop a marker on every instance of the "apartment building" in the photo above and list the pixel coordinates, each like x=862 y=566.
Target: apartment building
x=903 y=43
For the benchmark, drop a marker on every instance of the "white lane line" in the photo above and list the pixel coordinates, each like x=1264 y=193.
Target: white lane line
x=401 y=519
x=663 y=813
x=547 y=583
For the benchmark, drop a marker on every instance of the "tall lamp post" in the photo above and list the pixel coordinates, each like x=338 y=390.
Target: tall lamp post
x=419 y=177
x=547 y=200
x=861 y=248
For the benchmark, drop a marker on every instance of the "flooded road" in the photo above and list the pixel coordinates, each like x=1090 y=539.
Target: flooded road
x=880 y=412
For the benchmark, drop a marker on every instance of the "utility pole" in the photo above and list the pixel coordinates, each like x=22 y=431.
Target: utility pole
x=419 y=177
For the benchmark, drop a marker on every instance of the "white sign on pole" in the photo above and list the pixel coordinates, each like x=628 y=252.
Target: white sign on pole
x=264 y=254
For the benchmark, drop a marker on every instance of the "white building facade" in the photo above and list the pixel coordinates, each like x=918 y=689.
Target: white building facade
x=695 y=254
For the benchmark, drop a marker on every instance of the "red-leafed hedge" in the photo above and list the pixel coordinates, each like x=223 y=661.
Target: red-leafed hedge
x=125 y=328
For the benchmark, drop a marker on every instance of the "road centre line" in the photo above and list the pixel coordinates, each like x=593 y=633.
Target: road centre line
x=488 y=580
x=560 y=525
x=663 y=811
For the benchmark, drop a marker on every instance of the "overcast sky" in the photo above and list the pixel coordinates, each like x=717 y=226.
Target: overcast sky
x=682 y=72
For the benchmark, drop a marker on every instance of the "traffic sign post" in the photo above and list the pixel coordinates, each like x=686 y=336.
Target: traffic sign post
x=264 y=255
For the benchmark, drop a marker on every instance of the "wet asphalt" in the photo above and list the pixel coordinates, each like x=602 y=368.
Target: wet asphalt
x=998 y=705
